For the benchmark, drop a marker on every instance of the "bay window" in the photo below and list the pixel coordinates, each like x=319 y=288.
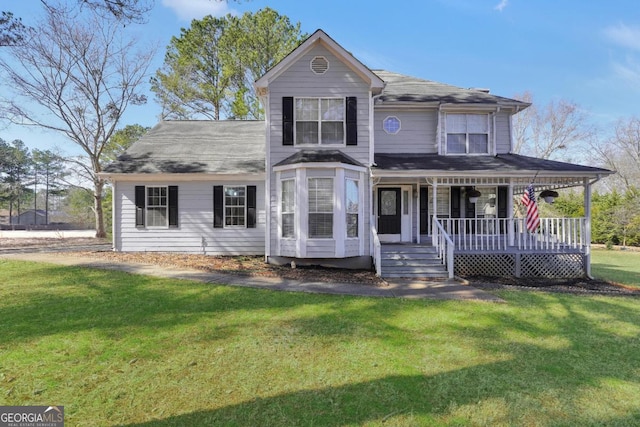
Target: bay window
x=352 y=207
x=320 y=193
x=288 y=206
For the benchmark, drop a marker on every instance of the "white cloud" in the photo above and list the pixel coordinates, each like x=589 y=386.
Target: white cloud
x=500 y=6
x=186 y=10
x=628 y=72
x=624 y=36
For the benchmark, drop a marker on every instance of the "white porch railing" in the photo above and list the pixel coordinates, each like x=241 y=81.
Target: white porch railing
x=443 y=244
x=377 y=255
x=495 y=234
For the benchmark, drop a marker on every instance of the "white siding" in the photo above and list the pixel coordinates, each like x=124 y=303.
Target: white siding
x=195 y=232
x=418 y=132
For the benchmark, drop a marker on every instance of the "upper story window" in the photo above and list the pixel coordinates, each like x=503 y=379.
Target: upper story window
x=391 y=125
x=319 y=121
x=467 y=133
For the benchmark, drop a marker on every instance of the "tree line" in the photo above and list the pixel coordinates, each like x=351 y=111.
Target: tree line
x=208 y=71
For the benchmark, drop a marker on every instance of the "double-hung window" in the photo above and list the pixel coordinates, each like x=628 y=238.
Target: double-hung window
x=288 y=207
x=234 y=206
x=320 y=193
x=320 y=121
x=157 y=207
x=352 y=207
x=467 y=133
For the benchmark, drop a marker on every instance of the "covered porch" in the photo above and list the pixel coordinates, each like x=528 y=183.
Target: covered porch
x=485 y=233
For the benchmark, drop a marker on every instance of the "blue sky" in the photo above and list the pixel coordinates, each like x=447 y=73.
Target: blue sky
x=584 y=51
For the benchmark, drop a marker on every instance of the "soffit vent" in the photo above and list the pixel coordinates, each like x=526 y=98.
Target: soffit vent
x=319 y=65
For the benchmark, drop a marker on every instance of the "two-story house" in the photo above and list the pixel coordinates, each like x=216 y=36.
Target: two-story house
x=352 y=167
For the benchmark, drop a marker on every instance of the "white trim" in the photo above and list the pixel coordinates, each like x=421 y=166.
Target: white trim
x=320 y=165
x=339 y=213
x=384 y=121
x=179 y=177
x=224 y=207
x=279 y=213
x=115 y=217
x=319 y=120
x=302 y=223
x=267 y=178
x=313 y=60
x=147 y=206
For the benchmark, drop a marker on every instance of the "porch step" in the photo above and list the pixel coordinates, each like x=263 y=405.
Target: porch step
x=411 y=261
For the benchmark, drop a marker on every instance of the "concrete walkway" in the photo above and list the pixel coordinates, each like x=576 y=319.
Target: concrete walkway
x=449 y=289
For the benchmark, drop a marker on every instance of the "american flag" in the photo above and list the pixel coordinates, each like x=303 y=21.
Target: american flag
x=529 y=200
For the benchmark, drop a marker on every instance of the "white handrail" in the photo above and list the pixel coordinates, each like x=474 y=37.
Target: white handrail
x=479 y=234
x=377 y=255
x=443 y=244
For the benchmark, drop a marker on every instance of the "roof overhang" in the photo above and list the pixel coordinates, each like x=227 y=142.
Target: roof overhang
x=180 y=177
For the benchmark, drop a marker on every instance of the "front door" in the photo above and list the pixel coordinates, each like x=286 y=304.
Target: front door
x=389 y=211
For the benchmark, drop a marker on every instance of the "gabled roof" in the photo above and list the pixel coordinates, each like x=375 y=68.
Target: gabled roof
x=196 y=146
x=321 y=37
x=402 y=88
x=501 y=163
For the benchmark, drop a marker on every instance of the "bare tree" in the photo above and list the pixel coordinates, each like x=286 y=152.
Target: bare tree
x=548 y=131
x=621 y=153
x=81 y=76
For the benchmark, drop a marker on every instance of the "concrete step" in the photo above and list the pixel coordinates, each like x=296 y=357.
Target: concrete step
x=435 y=262
x=439 y=275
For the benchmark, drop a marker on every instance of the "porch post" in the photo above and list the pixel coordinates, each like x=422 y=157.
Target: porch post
x=434 y=195
x=511 y=231
x=418 y=214
x=587 y=227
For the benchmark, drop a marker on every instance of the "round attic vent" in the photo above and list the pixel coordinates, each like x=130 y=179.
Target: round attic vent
x=319 y=65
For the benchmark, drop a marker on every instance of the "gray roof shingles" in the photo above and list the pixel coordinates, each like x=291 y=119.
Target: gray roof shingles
x=499 y=163
x=196 y=146
x=319 y=156
x=402 y=88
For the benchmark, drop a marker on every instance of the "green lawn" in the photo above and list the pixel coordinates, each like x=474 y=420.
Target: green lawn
x=616 y=266
x=120 y=349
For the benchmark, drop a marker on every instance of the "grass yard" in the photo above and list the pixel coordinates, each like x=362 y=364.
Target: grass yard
x=118 y=349
x=616 y=266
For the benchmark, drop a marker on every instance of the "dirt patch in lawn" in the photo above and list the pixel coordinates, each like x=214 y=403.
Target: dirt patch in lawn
x=256 y=267
x=574 y=286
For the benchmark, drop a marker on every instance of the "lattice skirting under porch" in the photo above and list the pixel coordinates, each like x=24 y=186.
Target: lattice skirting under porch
x=520 y=265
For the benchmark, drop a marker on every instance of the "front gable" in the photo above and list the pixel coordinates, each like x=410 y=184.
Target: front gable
x=328 y=49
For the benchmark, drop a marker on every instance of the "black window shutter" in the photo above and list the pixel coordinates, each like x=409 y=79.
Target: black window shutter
x=218 y=206
x=251 y=206
x=352 y=120
x=455 y=202
x=503 y=196
x=287 y=120
x=140 y=204
x=173 y=206
x=424 y=210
